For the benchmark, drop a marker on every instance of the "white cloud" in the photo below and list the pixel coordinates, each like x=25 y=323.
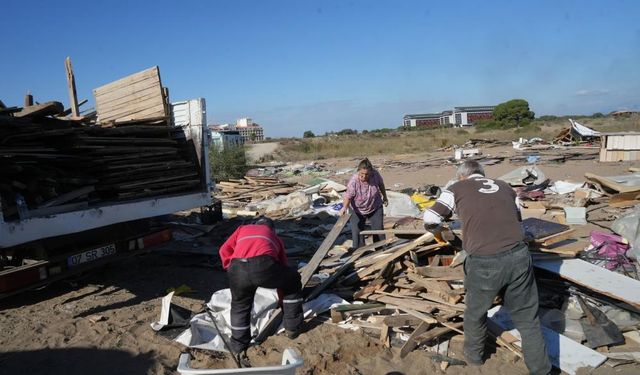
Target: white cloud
x=596 y=92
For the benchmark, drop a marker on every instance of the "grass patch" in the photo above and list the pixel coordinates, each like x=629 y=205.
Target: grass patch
x=420 y=140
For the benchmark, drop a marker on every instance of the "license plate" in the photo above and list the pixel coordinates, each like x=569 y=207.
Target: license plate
x=91 y=255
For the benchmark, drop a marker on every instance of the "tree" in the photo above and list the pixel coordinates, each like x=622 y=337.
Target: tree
x=308 y=134
x=513 y=113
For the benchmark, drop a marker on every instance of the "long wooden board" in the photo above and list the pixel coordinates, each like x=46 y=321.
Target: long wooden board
x=596 y=278
x=564 y=353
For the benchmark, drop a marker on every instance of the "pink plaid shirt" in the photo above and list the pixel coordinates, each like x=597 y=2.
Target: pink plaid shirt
x=365 y=197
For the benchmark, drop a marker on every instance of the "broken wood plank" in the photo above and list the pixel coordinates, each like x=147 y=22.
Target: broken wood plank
x=401 y=320
x=411 y=343
x=64 y=198
x=427 y=237
x=44 y=109
x=71 y=86
x=441 y=272
x=555 y=238
x=435 y=333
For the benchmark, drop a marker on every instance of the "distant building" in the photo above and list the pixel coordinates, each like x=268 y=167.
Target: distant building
x=459 y=116
x=249 y=130
x=222 y=138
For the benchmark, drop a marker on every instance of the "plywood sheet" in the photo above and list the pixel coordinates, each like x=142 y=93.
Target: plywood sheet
x=137 y=96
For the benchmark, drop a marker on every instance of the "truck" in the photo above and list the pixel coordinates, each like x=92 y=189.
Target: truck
x=39 y=247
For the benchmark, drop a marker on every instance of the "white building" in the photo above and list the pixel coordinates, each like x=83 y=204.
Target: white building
x=249 y=131
x=222 y=139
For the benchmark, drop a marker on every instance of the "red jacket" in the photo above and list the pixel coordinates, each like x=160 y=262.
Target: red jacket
x=250 y=241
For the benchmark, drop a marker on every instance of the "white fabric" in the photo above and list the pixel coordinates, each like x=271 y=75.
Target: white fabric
x=564 y=187
x=203 y=335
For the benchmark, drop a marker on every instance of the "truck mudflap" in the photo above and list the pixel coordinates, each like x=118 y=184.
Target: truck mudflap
x=39 y=273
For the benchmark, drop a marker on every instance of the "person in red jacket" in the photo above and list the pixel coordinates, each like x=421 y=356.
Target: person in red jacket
x=254 y=256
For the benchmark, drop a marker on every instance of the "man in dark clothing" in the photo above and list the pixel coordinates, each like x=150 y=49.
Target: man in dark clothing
x=254 y=256
x=497 y=258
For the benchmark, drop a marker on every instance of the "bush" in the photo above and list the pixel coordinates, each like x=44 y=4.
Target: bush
x=308 y=134
x=514 y=113
x=230 y=162
x=597 y=115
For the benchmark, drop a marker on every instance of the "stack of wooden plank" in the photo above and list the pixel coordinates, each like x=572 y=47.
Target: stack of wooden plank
x=55 y=165
x=252 y=189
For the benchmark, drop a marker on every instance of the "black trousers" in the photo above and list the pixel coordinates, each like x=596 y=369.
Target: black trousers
x=485 y=276
x=245 y=276
x=357 y=224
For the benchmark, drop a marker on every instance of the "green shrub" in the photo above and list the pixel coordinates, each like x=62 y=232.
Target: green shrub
x=230 y=162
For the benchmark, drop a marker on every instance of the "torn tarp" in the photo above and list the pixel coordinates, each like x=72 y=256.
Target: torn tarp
x=171 y=315
x=203 y=335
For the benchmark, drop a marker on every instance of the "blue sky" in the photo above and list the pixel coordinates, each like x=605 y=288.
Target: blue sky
x=328 y=65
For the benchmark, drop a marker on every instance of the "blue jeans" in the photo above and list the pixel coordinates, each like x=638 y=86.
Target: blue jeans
x=485 y=276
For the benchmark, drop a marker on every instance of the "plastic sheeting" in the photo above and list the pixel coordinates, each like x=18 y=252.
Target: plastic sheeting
x=400 y=205
x=528 y=175
x=203 y=335
x=583 y=130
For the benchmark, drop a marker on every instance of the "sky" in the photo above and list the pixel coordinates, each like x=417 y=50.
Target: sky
x=324 y=66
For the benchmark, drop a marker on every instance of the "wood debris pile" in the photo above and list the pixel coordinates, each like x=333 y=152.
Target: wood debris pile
x=55 y=165
x=252 y=189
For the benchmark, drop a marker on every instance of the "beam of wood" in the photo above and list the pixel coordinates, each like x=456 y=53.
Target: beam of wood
x=435 y=333
x=405 y=303
x=394 y=231
x=402 y=320
x=555 y=238
x=44 y=109
x=441 y=272
x=427 y=237
x=349 y=263
x=68 y=196
x=411 y=343
x=307 y=271
x=71 y=86
x=28 y=100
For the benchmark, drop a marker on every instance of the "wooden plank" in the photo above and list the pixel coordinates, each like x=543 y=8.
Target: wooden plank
x=133 y=97
x=395 y=232
x=564 y=353
x=348 y=264
x=435 y=333
x=311 y=267
x=71 y=86
x=44 y=109
x=402 y=320
x=404 y=302
x=128 y=80
x=411 y=342
x=427 y=237
x=441 y=272
x=596 y=278
x=439 y=288
x=68 y=196
x=555 y=238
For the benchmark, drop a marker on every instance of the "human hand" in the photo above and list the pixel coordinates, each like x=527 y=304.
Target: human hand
x=385 y=201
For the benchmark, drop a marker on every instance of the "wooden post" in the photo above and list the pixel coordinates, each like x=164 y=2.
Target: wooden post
x=71 y=86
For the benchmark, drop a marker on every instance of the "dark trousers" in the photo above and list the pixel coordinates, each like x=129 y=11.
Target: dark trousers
x=485 y=276
x=245 y=276
x=357 y=224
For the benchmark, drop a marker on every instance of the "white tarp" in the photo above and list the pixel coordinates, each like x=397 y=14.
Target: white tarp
x=517 y=177
x=400 y=205
x=583 y=130
x=203 y=335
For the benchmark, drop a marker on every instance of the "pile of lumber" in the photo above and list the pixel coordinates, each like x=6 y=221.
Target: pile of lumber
x=252 y=189
x=55 y=165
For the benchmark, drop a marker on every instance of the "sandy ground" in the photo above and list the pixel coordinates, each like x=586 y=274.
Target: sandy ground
x=99 y=323
x=258 y=150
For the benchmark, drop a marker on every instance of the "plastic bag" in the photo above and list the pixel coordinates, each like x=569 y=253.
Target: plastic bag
x=629 y=227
